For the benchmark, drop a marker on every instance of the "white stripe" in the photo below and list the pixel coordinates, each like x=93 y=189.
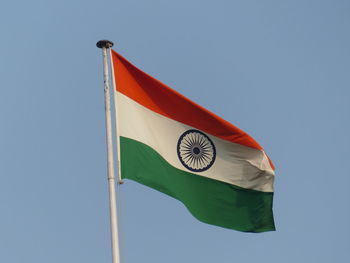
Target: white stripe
x=234 y=164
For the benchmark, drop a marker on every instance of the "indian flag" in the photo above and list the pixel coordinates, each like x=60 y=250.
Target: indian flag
x=173 y=145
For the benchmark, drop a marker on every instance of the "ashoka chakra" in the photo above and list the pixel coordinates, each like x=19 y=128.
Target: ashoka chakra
x=196 y=151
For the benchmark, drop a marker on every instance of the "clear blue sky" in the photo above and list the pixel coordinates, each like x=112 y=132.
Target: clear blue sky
x=277 y=69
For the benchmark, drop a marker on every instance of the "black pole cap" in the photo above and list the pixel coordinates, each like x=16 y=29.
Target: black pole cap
x=104 y=43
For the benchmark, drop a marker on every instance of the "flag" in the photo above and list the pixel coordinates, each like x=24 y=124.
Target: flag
x=173 y=145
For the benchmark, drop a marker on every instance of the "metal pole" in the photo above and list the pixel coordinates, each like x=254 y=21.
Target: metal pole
x=105 y=44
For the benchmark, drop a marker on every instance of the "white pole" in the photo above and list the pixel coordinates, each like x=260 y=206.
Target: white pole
x=104 y=44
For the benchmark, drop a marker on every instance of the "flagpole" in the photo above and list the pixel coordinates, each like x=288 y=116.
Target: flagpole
x=104 y=45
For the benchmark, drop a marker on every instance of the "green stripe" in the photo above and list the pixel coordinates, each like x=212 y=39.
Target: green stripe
x=208 y=200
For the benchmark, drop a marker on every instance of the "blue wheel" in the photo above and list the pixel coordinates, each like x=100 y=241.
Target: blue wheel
x=196 y=151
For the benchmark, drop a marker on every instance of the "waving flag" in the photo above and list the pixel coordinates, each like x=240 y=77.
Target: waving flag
x=169 y=143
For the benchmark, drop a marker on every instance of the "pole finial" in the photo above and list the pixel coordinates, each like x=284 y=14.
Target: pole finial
x=104 y=43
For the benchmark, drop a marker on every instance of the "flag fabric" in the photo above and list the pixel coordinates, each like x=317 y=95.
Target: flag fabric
x=173 y=145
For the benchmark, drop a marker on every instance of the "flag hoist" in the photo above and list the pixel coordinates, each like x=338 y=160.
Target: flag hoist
x=106 y=45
